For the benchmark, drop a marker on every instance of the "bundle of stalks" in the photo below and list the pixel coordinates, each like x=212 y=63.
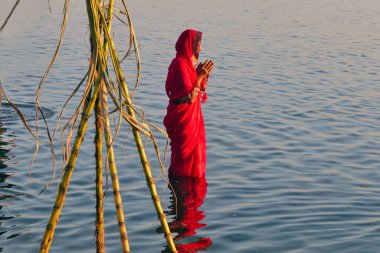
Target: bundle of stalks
x=99 y=87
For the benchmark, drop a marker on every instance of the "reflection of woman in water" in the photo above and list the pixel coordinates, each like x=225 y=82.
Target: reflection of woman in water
x=184 y=121
x=190 y=193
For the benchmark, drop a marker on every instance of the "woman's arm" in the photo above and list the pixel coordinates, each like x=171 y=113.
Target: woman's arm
x=203 y=71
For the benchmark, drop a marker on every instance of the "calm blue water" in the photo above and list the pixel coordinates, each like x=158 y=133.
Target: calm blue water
x=292 y=126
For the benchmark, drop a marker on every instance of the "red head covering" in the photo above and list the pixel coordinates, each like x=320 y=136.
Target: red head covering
x=188 y=44
x=182 y=75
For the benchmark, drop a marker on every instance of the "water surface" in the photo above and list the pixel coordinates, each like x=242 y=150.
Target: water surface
x=292 y=126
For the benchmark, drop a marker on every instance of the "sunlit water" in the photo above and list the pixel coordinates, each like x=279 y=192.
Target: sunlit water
x=292 y=126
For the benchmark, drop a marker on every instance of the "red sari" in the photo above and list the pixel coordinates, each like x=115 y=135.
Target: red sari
x=184 y=121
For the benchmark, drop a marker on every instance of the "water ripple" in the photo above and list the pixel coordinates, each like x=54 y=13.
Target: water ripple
x=292 y=126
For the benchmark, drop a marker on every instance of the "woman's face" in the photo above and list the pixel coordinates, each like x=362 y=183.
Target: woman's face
x=195 y=59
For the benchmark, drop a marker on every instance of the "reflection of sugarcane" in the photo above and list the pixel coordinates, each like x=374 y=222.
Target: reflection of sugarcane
x=99 y=85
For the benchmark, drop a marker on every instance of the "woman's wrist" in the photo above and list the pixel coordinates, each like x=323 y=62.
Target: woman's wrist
x=199 y=82
x=204 y=84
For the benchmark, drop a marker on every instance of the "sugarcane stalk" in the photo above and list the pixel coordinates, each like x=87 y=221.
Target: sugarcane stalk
x=138 y=141
x=109 y=21
x=148 y=175
x=68 y=170
x=113 y=172
x=150 y=180
x=152 y=188
x=107 y=133
x=99 y=222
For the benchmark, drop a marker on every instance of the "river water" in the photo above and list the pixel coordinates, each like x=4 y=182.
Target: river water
x=292 y=127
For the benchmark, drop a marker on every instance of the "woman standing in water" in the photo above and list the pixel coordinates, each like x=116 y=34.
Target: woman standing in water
x=185 y=86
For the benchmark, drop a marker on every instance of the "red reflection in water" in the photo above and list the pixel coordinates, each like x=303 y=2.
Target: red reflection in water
x=190 y=193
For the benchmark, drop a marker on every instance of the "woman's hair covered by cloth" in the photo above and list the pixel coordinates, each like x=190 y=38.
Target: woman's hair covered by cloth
x=188 y=44
x=182 y=75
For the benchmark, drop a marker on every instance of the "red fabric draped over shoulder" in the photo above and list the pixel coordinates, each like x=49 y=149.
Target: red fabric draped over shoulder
x=184 y=122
